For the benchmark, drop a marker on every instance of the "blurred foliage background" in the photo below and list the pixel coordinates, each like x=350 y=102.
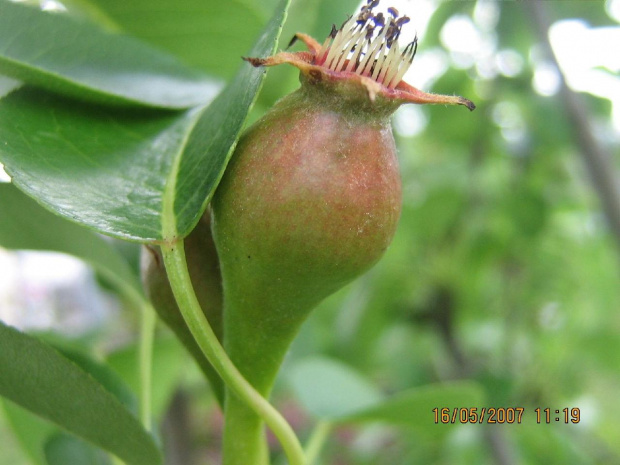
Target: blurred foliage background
x=505 y=268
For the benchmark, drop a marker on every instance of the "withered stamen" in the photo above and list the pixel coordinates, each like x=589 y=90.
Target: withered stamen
x=351 y=48
x=336 y=45
x=389 y=59
x=407 y=58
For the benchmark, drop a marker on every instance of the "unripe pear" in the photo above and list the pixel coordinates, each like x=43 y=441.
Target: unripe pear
x=311 y=197
x=310 y=200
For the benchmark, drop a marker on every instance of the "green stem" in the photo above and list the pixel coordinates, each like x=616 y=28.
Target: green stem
x=147 y=334
x=244 y=435
x=317 y=439
x=176 y=268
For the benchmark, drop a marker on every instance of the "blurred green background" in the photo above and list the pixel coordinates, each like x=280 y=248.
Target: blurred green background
x=505 y=267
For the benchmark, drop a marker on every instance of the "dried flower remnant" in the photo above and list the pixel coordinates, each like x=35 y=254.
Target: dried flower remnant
x=364 y=51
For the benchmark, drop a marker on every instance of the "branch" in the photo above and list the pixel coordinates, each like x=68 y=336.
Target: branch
x=598 y=162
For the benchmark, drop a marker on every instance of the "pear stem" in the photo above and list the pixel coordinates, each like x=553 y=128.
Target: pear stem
x=178 y=274
x=244 y=435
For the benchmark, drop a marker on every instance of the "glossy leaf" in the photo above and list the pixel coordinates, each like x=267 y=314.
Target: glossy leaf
x=206 y=34
x=111 y=170
x=27 y=225
x=330 y=389
x=210 y=146
x=38 y=378
x=76 y=58
x=94 y=165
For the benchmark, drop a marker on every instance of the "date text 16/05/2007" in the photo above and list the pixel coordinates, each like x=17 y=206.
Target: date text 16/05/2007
x=510 y=415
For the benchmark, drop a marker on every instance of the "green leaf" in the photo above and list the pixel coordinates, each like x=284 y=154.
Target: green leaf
x=200 y=167
x=105 y=376
x=330 y=12
x=44 y=442
x=118 y=172
x=206 y=34
x=94 y=165
x=30 y=431
x=8 y=85
x=26 y=225
x=168 y=366
x=38 y=378
x=63 y=449
x=330 y=389
x=76 y=58
x=333 y=391
x=47 y=444
x=414 y=408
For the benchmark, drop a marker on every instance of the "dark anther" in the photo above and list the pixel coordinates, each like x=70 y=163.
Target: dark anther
x=403 y=20
x=393 y=11
x=333 y=32
x=379 y=20
x=369 y=32
x=392 y=31
x=363 y=17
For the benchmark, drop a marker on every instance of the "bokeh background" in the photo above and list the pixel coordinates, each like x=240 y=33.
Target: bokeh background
x=505 y=268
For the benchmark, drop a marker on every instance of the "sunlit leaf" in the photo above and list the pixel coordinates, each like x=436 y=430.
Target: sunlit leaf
x=111 y=170
x=61 y=54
